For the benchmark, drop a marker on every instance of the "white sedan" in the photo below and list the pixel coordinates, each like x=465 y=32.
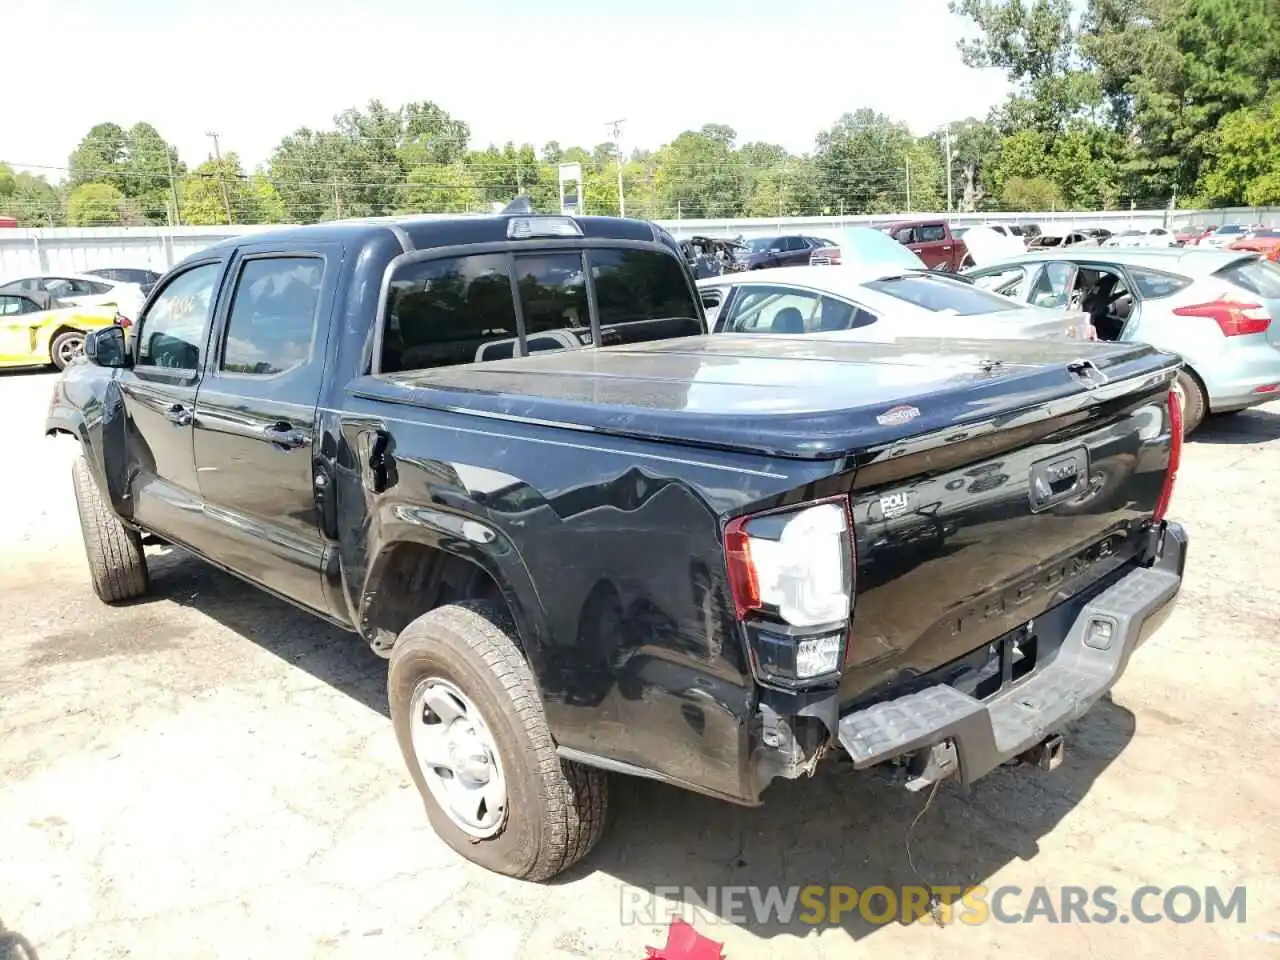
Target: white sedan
x=875 y=303
x=1156 y=237
x=81 y=290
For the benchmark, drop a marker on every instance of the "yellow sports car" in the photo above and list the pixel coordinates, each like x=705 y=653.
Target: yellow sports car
x=36 y=330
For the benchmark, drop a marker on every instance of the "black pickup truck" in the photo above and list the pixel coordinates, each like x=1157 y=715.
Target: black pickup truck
x=591 y=539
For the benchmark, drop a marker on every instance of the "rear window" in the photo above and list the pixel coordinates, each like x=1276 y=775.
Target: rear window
x=1154 y=284
x=457 y=310
x=1260 y=277
x=942 y=295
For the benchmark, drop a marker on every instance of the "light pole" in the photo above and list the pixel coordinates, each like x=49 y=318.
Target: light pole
x=617 y=140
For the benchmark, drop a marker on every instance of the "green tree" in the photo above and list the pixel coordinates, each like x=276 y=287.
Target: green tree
x=1030 y=194
x=862 y=161
x=1036 y=45
x=29 y=199
x=100 y=157
x=253 y=199
x=1247 y=170
x=444 y=188
x=698 y=175
x=147 y=164
x=95 y=205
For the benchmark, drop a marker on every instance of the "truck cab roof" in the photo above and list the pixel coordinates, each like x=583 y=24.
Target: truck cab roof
x=423 y=232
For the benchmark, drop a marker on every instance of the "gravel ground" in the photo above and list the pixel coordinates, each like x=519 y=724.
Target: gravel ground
x=210 y=773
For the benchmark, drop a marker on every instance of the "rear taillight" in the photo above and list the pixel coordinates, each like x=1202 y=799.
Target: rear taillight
x=791 y=573
x=1233 y=318
x=1175 y=457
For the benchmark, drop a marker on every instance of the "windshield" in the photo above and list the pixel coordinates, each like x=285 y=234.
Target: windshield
x=943 y=295
x=1231 y=228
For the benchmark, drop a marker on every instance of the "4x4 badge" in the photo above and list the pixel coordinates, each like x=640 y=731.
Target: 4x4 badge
x=896 y=415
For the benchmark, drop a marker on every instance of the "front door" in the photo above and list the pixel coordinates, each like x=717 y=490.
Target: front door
x=933 y=245
x=15 y=328
x=256 y=419
x=159 y=394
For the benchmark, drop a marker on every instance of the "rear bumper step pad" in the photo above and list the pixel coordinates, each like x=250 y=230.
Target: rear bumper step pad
x=991 y=732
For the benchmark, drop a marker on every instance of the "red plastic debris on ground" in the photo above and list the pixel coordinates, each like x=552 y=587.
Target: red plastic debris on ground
x=685 y=943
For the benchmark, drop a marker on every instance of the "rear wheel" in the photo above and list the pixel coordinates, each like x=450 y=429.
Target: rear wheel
x=1187 y=389
x=66 y=347
x=117 y=562
x=470 y=724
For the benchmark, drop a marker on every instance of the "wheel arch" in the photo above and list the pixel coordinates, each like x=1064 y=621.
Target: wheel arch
x=418 y=571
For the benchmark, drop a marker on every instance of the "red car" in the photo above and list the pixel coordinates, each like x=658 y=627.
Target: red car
x=932 y=241
x=1191 y=236
x=1265 y=242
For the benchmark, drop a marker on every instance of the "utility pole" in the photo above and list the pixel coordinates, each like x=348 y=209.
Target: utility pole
x=908 y=183
x=217 y=156
x=947 y=131
x=175 y=216
x=617 y=140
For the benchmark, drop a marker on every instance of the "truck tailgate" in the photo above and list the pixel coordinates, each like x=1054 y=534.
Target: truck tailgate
x=957 y=547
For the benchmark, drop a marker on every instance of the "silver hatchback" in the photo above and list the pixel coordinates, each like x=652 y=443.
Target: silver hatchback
x=1218 y=309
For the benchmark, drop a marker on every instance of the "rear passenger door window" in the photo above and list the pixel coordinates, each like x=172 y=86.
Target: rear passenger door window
x=784 y=310
x=271 y=327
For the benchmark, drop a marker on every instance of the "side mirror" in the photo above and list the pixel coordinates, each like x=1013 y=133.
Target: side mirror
x=106 y=347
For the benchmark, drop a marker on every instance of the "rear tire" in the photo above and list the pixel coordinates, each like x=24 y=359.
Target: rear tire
x=554 y=809
x=117 y=562
x=1194 y=404
x=66 y=347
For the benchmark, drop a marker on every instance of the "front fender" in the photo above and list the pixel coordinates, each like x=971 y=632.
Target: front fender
x=87 y=404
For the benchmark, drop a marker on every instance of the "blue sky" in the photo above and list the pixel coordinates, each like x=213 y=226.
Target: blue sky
x=777 y=70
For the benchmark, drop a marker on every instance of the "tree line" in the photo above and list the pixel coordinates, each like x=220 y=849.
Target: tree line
x=1130 y=103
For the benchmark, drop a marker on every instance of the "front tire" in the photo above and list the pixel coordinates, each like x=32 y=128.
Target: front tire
x=470 y=724
x=66 y=347
x=117 y=562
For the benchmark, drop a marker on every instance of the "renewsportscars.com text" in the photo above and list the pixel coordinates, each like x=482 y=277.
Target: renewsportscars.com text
x=877 y=905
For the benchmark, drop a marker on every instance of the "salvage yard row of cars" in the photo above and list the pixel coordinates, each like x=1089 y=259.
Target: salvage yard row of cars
x=1214 y=306
x=44 y=318
x=594 y=534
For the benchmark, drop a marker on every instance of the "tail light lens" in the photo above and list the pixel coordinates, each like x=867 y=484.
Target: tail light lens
x=1233 y=318
x=1175 y=457
x=792 y=578
x=830 y=255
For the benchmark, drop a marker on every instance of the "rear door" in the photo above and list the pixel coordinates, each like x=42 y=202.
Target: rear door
x=255 y=418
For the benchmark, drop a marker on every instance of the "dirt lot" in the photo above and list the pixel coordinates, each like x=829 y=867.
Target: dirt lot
x=211 y=773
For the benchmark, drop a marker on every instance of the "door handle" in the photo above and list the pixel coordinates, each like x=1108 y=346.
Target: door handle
x=179 y=415
x=286 y=435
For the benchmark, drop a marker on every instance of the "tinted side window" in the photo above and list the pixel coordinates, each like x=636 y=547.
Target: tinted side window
x=10 y=306
x=172 y=332
x=773 y=310
x=642 y=295
x=273 y=315
x=931 y=233
x=442 y=312
x=1153 y=284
